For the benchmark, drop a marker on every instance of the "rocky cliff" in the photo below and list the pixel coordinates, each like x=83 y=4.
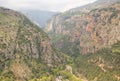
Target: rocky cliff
x=86 y=32
x=90 y=35
x=25 y=50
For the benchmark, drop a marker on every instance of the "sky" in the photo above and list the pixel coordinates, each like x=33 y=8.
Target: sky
x=47 y=5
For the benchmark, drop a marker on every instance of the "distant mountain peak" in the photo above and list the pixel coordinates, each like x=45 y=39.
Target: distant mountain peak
x=107 y=1
x=96 y=4
x=39 y=17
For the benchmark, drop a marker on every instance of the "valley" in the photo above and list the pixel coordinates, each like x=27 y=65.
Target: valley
x=81 y=44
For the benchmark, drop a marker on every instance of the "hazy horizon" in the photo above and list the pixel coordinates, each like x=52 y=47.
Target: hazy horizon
x=45 y=5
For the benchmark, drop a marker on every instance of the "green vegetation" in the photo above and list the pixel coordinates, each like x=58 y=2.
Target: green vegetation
x=7 y=76
x=116 y=48
x=57 y=37
x=100 y=66
x=27 y=55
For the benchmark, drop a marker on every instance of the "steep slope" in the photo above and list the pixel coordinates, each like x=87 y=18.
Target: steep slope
x=25 y=50
x=85 y=32
x=103 y=65
x=90 y=35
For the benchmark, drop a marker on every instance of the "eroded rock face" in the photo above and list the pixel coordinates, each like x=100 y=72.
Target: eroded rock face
x=22 y=44
x=86 y=32
x=19 y=36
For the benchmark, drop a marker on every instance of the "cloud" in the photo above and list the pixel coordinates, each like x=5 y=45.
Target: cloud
x=51 y=5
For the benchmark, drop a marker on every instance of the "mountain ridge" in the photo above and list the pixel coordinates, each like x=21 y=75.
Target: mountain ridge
x=96 y=4
x=25 y=50
x=91 y=37
x=75 y=25
x=85 y=46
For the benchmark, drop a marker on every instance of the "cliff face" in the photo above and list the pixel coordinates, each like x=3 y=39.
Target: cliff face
x=23 y=47
x=86 y=32
x=90 y=35
x=19 y=36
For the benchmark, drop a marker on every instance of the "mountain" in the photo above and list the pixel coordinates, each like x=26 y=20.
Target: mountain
x=39 y=17
x=96 y=4
x=26 y=53
x=85 y=45
x=103 y=65
x=85 y=32
x=106 y=1
x=91 y=36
